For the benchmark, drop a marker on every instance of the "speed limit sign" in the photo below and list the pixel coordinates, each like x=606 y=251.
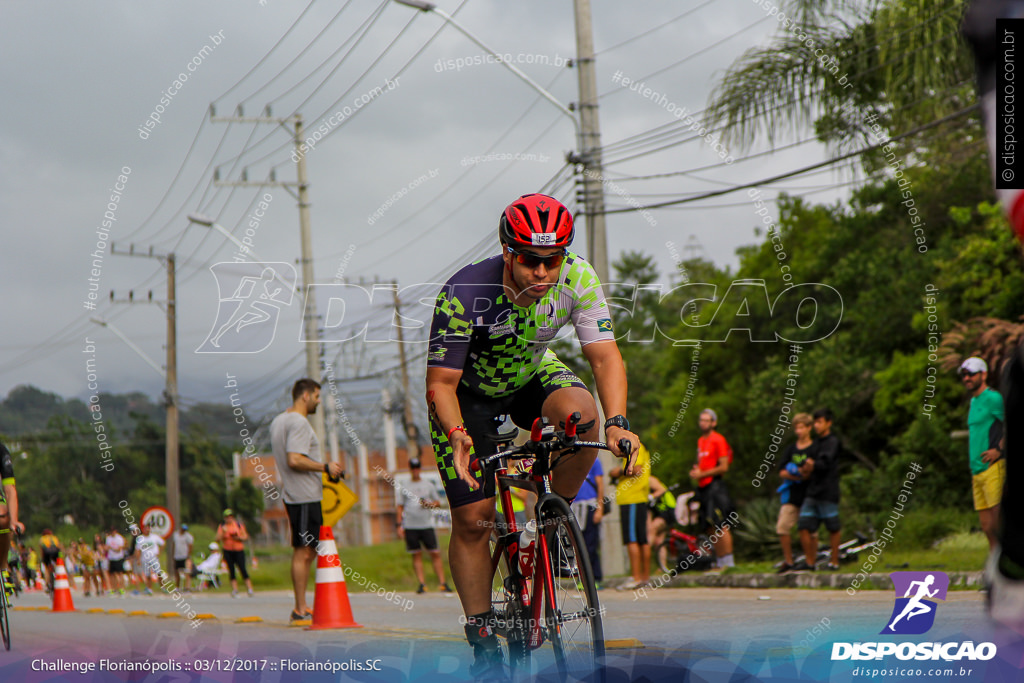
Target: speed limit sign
x=159 y=520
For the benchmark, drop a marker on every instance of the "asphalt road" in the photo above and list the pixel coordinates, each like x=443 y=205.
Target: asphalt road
x=709 y=634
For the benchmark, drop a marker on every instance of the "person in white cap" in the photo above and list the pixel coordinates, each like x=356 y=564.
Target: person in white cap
x=209 y=566
x=985 y=433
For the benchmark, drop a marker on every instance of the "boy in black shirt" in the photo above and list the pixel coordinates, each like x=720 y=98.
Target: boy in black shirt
x=794 y=486
x=821 y=503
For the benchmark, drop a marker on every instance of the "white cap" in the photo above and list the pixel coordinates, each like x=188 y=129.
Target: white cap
x=214 y=546
x=973 y=365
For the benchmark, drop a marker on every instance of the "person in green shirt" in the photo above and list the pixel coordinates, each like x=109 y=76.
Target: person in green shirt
x=985 y=435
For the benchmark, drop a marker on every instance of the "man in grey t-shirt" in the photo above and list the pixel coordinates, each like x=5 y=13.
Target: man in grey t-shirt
x=416 y=501
x=181 y=544
x=297 y=453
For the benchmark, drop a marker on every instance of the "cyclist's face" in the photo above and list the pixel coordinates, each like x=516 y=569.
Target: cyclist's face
x=802 y=430
x=536 y=280
x=822 y=426
x=706 y=423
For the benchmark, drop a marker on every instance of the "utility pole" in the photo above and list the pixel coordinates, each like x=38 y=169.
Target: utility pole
x=589 y=155
x=310 y=320
x=412 y=443
x=173 y=482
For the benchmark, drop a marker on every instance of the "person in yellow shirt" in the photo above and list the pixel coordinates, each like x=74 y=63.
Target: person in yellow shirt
x=631 y=495
x=32 y=564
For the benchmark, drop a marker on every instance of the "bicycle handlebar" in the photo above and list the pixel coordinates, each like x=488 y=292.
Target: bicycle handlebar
x=542 y=441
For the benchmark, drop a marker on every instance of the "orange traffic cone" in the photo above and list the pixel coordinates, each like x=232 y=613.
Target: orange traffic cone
x=61 y=589
x=331 y=608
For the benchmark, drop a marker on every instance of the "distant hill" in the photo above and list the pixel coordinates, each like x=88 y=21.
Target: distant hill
x=27 y=409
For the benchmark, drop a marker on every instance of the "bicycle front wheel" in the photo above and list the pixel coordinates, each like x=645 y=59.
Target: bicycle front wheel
x=573 y=612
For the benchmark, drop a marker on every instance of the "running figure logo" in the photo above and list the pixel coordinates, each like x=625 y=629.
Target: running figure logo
x=914 y=613
x=251 y=296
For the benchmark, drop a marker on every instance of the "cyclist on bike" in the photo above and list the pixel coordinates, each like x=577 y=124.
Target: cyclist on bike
x=49 y=550
x=488 y=357
x=8 y=515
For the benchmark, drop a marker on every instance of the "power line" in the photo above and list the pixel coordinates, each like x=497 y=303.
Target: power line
x=781 y=176
x=654 y=28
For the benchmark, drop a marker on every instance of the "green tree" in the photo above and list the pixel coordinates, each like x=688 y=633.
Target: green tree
x=844 y=67
x=246 y=499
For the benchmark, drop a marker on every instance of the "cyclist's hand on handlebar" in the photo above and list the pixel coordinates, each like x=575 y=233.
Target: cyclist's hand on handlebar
x=616 y=435
x=462 y=445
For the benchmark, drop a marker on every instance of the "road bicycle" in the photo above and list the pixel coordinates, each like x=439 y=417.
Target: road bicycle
x=5 y=627
x=553 y=574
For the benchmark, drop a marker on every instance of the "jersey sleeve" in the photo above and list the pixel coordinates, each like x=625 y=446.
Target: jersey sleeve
x=590 y=315
x=451 y=330
x=996 y=410
x=6 y=467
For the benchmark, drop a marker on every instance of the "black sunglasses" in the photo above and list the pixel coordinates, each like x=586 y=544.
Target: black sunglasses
x=531 y=260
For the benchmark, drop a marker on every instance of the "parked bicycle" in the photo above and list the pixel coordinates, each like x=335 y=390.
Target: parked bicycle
x=682 y=551
x=545 y=566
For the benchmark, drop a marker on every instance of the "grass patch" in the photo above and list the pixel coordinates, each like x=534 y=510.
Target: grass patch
x=387 y=565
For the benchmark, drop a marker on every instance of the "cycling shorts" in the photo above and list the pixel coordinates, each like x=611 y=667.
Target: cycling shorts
x=482 y=416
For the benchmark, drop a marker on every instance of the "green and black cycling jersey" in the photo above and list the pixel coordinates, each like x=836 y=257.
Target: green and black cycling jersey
x=499 y=346
x=6 y=471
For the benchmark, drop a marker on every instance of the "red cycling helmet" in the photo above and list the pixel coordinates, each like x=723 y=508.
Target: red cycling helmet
x=536 y=220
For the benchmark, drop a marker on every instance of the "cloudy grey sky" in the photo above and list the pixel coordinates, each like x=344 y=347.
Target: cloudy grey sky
x=80 y=81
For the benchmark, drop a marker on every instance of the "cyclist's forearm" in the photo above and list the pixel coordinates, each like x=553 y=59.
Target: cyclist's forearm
x=11 y=494
x=443 y=405
x=609 y=375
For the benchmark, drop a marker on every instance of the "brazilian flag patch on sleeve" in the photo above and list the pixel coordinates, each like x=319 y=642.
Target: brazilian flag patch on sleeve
x=604 y=325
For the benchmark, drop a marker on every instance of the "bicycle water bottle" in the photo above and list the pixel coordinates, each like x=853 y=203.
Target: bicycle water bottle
x=527 y=539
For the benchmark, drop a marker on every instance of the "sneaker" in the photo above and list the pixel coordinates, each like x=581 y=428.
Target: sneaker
x=134 y=592
x=234 y=594
x=446 y=589
x=295 y=616
x=831 y=567
x=251 y=594
x=421 y=589
x=629 y=585
x=148 y=591
x=802 y=566
x=785 y=568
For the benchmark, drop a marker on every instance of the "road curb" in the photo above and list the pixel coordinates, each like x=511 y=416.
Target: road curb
x=818 y=579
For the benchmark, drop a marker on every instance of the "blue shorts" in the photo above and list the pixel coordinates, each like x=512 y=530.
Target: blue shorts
x=813 y=512
x=634 y=523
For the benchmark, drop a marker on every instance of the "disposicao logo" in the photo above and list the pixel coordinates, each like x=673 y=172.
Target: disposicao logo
x=914 y=614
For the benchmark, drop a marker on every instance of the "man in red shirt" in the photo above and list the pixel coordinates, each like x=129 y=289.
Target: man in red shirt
x=713 y=459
